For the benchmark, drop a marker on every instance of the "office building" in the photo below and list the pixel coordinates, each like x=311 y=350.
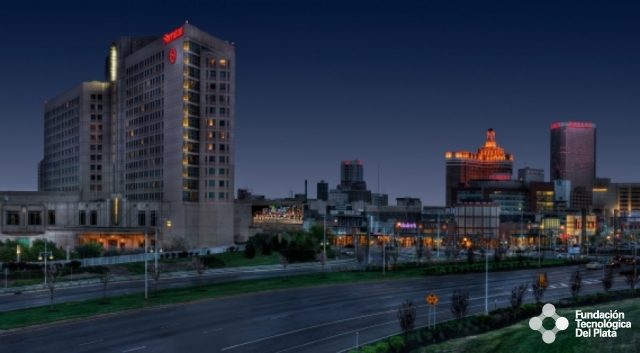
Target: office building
x=322 y=191
x=463 y=166
x=573 y=158
x=160 y=128
x=351 y=172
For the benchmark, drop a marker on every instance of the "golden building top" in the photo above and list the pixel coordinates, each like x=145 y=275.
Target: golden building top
x=490 y=152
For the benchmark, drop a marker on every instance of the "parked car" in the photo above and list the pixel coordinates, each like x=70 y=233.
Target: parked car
x=347 y=252
x=565 y=256
x=595 y=265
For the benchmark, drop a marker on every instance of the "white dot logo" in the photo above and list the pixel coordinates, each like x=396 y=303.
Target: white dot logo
x=561 y=323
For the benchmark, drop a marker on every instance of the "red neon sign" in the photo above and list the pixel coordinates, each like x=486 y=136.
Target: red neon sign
x=575 y=124
x=172 y=55
x=555 y=125
x=169 y=37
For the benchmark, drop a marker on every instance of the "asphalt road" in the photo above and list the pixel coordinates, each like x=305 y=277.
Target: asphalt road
x=321 y=319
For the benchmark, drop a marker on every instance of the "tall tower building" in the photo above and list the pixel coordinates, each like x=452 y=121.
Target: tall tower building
x=463 y=166
x=160 y=128
x=573 y=157
x=350 y=172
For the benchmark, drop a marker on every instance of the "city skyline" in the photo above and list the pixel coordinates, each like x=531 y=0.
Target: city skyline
x=394 y=85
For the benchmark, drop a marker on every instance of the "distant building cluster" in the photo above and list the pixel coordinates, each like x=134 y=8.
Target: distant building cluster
x=151 y=150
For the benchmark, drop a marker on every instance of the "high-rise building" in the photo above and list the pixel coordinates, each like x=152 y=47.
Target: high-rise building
x=159 y=128
x=350 y=172
x=322 y=191
x=352 y=181
x=463 y=166
x=573 y=157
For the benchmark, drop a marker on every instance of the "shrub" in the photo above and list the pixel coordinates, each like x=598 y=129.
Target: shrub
x=74 y=264
x=382 y=347
x=368 y=349
x=249 y=252
x=211 y=261
x=397 y=343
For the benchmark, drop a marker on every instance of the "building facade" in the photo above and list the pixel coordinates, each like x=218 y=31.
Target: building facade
x=463 y=166
x=573 y=157
x=159 y=129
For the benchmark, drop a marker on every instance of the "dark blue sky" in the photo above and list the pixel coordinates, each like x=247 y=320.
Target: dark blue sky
x=394 y=83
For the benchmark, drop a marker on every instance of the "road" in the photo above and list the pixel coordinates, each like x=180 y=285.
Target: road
x=321 y=319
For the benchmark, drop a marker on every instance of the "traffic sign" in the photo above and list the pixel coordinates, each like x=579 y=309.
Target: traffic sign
x=432 y=299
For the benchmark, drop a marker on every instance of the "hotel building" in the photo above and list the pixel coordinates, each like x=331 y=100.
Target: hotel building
x=463 y=166
x=158 y=131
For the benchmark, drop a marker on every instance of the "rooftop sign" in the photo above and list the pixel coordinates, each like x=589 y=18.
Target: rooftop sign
x=171 y=36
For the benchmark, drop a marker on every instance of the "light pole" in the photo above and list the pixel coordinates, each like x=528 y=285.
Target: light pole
x=146 y=258
x=324 y=235
x=18 y=252
x=539 y=231
x=45 y=254
x=438 y=238
x=368 y=239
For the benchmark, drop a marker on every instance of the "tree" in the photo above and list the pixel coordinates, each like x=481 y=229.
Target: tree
x=106 y=277
x=419 y=252
x=407 y=316
x=427 y=253
x=459 y=304
x=607 y=281
x=52 y=273
x=249 y=251
x=394 y=255
x=471 y=256
x=360 y=256
x=322 y=259
x=155 y=273
x=284 y=262
x=631 y=279
x=88 y=250
x=517 y=295
x=499 y=253
x=199 y=267
x=539 y=286
x=576 y=284
x=180 y=243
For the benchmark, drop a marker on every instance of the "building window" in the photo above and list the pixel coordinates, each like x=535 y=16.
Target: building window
x=82 y=217
x=212 y=195
x=13 y=218
x=153 y=218
x=212 y=183
x=221 y=195
x=51 y=218
x=35 y=218
x=221 y=183
x=221 y=171
x=142 y=218
x=93 y=219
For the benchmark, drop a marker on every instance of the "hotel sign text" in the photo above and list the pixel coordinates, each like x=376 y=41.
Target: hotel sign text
x=169 y=37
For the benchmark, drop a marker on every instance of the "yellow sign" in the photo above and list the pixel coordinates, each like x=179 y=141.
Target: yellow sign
x=432 y=299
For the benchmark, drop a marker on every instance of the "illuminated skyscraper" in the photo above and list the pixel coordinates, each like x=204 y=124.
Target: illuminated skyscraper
x=573 y=157
x=159 y=129
x=463 y=166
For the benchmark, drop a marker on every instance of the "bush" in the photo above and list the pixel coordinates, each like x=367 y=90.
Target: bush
x=368 y=349
x=211 y=261
x=89 y=250
x=382 y=347
x=249 y=251
x=74 y=264
x=397 y=343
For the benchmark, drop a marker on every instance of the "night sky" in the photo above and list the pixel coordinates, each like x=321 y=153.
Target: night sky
x=394 y=83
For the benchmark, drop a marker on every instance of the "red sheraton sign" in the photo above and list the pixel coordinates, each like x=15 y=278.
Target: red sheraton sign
x=169 y=37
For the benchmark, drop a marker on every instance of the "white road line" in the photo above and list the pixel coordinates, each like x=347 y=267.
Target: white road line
x=552 y=287
x=92 y=342
x=278 y=317
x=564 y=285
x=169 y=325
x=389 y=297
x=134 y=349
x=336 y=306
x=214 y=330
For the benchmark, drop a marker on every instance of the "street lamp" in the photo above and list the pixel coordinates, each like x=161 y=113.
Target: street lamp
x=18 y=252
x=146 y=258
x=539 y=232
x=44 y=255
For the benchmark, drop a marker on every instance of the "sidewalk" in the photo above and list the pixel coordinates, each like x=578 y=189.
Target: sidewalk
x=178 y=274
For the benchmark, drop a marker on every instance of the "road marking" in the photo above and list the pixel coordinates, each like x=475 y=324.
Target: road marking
x=92 y=342
x=552 y=287
x=336 y=306
x=564 y=285
x=389 y=297
x=134 y=349
x=214 y=330
x=280 y=316
x=169 y=325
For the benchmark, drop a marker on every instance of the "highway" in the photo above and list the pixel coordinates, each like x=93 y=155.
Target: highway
x=321 y=319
